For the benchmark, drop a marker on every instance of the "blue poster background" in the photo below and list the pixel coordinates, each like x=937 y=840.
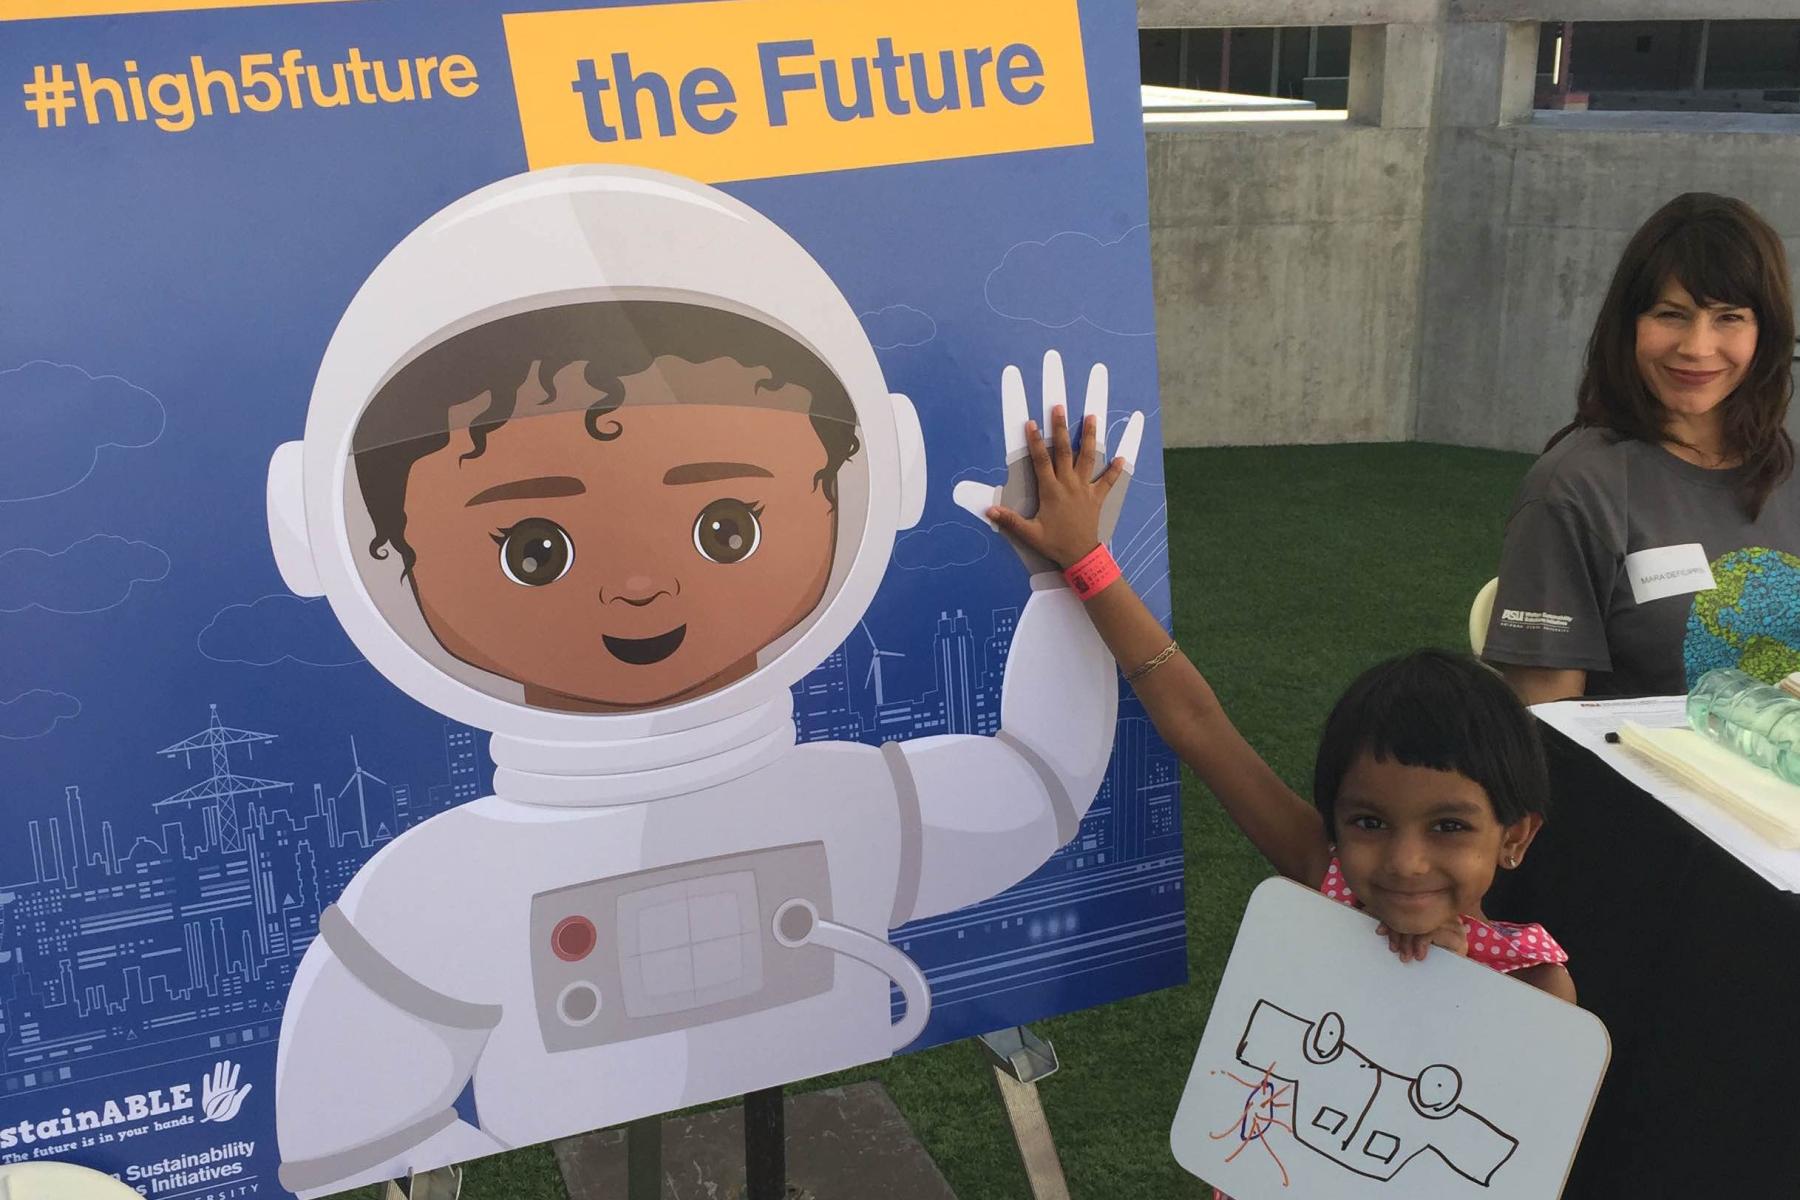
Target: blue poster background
x=193 y=762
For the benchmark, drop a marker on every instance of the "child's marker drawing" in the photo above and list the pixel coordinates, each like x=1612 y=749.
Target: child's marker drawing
x=1349 y=1108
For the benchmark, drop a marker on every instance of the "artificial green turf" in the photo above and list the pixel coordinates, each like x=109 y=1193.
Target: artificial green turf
x=1293 y=568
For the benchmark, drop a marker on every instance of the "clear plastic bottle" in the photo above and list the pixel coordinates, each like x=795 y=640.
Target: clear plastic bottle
x=1750 y=718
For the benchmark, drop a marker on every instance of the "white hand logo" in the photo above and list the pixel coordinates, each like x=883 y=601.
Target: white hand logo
x=1019 y=492
x=220 y=1095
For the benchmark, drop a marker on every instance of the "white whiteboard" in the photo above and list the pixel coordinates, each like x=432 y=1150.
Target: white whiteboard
x=1329 y=1068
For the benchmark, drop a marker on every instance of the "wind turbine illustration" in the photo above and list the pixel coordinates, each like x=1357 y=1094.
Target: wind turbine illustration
x=875 y=657
x=357 y=776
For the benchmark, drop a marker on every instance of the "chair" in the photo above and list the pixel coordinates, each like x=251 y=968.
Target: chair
x=1479 y=612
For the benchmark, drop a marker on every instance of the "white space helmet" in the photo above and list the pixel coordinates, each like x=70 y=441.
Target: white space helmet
x=560 y=237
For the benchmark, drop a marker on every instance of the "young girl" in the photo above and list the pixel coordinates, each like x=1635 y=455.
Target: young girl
x=1430 y=777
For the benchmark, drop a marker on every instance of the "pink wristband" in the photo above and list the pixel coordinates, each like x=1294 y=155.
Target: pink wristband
x=1094 y=573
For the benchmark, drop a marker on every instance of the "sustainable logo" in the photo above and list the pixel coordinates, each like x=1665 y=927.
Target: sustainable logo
x=220 y=1095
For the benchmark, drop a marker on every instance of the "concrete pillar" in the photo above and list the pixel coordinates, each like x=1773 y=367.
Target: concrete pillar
x=1393 y=74
x=1487 y=74
x=1518 y=73
x=1485 y=79
x=1368 y=57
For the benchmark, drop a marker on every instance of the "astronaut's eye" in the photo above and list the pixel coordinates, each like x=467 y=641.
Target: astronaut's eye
x=535 y=552
x=728 y=531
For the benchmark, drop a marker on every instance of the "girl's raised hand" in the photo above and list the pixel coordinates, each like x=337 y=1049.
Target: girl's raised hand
x=1054 y=506
x=1070 y=495
x=1411 y=947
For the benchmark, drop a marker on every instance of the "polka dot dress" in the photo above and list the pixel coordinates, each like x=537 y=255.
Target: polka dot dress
x=1502 y=945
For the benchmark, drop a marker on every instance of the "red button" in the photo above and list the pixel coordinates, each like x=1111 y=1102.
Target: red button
x=573 y=939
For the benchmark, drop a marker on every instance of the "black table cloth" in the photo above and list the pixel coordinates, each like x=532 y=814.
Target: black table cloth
x=1690 y=958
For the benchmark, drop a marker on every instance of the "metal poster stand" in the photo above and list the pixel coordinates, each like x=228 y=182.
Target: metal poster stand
x=643 y=1158
x=765 y=1151
x=444 y=1183
x=765 y=1146
x=1017 y=1057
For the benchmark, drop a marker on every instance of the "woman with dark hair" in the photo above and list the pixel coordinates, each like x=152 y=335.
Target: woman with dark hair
x=1659 y=535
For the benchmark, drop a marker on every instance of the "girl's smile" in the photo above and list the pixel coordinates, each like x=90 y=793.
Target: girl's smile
x=1420 y=846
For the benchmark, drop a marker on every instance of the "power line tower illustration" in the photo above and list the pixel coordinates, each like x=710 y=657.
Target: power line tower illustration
x=221 y=789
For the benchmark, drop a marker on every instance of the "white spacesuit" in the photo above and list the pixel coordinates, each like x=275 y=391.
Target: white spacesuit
x=659 y=907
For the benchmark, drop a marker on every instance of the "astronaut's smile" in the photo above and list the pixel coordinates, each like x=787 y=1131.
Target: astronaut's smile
x=641 y=652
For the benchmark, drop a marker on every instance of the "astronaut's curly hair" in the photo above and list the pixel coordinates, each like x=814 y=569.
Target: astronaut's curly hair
x=507 y=359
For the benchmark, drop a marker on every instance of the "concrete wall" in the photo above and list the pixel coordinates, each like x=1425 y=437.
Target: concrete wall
x=1289 y=259
x=1200 y=14
x=1277 y=252
x=1431 y=267
x=1158 y=14
x=1619 y=10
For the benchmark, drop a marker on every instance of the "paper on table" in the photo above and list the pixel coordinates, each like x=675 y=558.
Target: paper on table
x=1597 y=718
x=1761 y=799
x=1587 y=722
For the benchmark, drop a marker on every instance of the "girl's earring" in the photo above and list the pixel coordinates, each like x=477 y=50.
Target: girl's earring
x=1512 y=860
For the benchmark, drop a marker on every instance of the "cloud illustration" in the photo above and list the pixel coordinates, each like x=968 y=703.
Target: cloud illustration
x=898 y=326
x=1077 y=277
x=56 y=419
x=277 y=629
x=33 y=714
x=93 y=575
x=947 y=544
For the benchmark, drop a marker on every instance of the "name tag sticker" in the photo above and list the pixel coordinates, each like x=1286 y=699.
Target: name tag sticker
x=1668 y=571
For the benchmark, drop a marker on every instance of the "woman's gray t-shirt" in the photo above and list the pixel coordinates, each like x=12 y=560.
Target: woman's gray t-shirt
x=1643 y=570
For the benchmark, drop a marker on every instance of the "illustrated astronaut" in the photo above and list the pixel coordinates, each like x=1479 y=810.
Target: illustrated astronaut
x=1361 y=1115
x=600 y=460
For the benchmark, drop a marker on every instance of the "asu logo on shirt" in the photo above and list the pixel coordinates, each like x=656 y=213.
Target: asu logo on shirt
x=1544 y=622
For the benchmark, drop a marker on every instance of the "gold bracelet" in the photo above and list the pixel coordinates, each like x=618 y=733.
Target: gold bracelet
x=1168 y=652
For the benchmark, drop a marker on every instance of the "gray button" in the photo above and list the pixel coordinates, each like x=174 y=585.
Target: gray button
x=794 y=922
x=579 y=1003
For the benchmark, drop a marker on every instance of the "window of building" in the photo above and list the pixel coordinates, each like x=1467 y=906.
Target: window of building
x=1306 y=65
x=1670 y=66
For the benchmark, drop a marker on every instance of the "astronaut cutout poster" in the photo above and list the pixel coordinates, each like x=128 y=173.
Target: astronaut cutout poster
x=1330 y=1068
x=499 y=638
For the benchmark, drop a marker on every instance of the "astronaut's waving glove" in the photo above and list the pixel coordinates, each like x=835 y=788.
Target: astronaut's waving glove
x=1056 y=505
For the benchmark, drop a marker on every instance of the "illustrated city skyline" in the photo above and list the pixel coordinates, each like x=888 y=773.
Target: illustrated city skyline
x=180 y=934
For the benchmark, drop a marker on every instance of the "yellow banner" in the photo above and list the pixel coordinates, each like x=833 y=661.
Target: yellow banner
x=748 y=89
x=32 y=10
